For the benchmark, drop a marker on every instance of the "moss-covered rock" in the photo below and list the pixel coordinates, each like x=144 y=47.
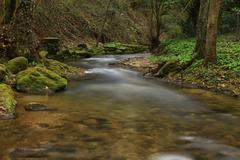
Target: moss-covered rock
x=3 y=72
x=64 y=70
x=119 y=48
x=7 y=102
x=39 y=80
x=17 y=64
x=84 y=51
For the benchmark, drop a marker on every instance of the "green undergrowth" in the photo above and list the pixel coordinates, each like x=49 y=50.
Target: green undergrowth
x=181 y=50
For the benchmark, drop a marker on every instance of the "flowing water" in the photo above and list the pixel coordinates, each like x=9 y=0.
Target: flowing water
x=116 y=114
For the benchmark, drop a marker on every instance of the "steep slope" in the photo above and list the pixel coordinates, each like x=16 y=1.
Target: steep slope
x=81 y=20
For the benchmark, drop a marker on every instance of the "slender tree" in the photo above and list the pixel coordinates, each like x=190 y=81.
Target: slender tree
x=212 y=29
x=104 y=23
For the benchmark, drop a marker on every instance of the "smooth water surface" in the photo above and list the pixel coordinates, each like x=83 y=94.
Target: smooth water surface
x=116 y=114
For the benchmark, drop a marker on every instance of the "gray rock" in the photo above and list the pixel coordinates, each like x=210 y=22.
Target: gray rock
x=34 y=107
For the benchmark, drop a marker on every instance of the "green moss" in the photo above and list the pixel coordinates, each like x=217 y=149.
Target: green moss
x=7 y=100
x=119 y=48
x=94 y=50
x=39 y=80
x=17 y=64
x=62 y=69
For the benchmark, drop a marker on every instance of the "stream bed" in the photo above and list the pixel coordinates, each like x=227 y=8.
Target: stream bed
x=117 y=114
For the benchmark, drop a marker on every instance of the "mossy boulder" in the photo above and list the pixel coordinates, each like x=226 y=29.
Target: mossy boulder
x=7 y=102
x=64 y=70
x=17 y=64
x=39 y=80
x=3 y=72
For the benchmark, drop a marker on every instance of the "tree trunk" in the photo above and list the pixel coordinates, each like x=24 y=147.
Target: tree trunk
x=155 y=25
x=212 y=28
x=202 y=29
x=9 y=10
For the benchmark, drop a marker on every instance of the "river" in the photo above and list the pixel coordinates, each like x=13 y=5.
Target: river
x=117 y=114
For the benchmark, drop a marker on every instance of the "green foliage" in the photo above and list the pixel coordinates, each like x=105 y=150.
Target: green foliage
x=176 y=50
x=17 y=64
x=39 y=80
x=229 y=55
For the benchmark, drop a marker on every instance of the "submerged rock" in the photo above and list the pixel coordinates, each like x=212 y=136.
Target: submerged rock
x=29 y=153
x=7 y=102
x=39 y=80
x=37 y=107
x=17 y=64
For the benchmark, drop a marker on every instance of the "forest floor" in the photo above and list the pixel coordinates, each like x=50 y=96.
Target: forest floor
x=224 y=77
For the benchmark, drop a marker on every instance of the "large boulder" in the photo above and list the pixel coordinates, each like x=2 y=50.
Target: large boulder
x=7 y=102
x=17 y=64
x=39 y=80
